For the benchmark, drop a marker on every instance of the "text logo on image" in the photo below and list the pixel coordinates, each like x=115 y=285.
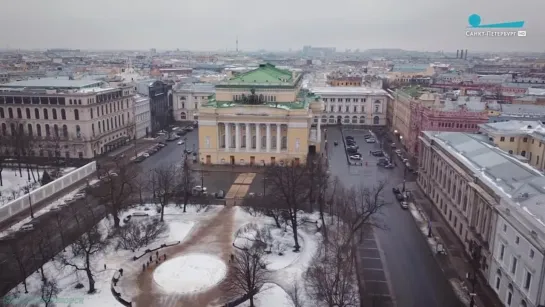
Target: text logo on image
x=475 y=22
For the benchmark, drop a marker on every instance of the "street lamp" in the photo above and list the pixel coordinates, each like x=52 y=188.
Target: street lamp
x=264 y=185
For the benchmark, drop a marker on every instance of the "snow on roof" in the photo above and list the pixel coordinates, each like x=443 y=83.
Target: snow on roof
x=348 y=90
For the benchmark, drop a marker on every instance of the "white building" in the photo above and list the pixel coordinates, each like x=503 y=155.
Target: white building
x=188 y=99
x=353 y=105
x=68 y=118
x=142 y=116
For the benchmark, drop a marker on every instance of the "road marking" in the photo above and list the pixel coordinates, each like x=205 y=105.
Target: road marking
x=370 y=258
x=382 y=281
x=240 y=178
x=373 y=269
x=370 y=248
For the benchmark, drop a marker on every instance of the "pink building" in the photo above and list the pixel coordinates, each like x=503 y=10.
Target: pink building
x=451 y=118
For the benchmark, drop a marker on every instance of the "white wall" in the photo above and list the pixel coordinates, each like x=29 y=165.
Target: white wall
x=506 y=240
x=22 y=203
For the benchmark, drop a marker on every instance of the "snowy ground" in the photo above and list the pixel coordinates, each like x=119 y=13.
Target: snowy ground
x=13 y=185
x=271 y=295
x=45 y=209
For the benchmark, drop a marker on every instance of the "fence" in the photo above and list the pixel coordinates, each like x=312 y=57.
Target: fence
x=23 y=203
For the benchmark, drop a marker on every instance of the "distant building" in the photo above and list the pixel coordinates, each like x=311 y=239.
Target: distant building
x=524 y=112
x=345 y=81
x=142 y=115
x=189 y=98
x=160 y=110
x=68 y=118
x=4 y=77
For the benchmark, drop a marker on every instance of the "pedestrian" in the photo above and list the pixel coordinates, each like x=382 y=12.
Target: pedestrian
x=232 y=257
x=157 y=254
x=165 y=257
x=121 y=272
x=105 y=266
x=150 y=258
x=157 y=262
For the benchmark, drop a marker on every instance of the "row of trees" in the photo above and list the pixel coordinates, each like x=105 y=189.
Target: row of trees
x=346 y=213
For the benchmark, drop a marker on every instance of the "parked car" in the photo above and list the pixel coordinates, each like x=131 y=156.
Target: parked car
x=377 y=153
x=79 y=196
x=139 y=159
x=188 y=151
x=140 y=214
x=220 y=194
x=370 y=140
x=405 y=160
x=404 y=204
x=349 y=137
x=189 y=128
x=398 y=151
x=199 y=190
x=181 y=143
x=353 y=147
x=395 y=190
x=367 y=136
x=389 y=166
x=355 y=157
x=27 y=227
x=399 y=197
x=145 y=155
x=351 y=150
x=393 y=145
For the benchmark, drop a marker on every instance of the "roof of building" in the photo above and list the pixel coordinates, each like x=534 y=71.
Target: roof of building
x=196 y=87
x=523 y=110
x=57 y=83
x=302 y=103
x=536 y=91
x=264 y=75
x=520 y=186
x=348 y=90
x=410 y=68
x=513 y=127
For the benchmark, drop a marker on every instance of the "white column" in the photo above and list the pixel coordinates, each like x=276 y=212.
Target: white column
x=227 y=136
x=319 y=133
x=237 y=136
x=248 y=138
x=257 y=137
x=268 y=137
x=278 y=131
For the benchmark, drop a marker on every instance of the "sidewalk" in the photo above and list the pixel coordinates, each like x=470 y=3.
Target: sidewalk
x=455 y=263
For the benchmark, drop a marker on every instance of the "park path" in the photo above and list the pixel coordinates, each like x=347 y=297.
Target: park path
x=213 y=237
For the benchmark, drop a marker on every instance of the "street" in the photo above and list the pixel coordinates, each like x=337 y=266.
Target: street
x=413 y=277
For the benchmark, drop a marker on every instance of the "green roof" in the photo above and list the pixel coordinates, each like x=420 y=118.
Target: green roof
x=264 y=75
x=301 y=103
x=412 y=91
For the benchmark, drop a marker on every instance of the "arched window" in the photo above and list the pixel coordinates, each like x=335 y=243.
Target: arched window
x=183 y=115
x=331 y=119
x=70 y=101
x=354 y=119
x=29 y=129
x=2 y=115
x=79 y=101
x=78 y=131
x=376 y=120
x=54 y=113
x=46 y=114
x=324 y=119
x=115 y=122
x=112 y=123
x=91 y=113
x=12 y=128
x=362 y=119
x=99 y=127
x=56 y=130
x=76 y=114
x=108 y=125
x=37 y=113
x=47 y=131
x=27 y=111
x=21 y=129
x=19 y=113
x=4 y=129
x=10 y=113
x=346 y=120
x=63 y=114
x=39 y=130
x=284 y=144
x=64 y=131
x=122 y=119
x=523 y=153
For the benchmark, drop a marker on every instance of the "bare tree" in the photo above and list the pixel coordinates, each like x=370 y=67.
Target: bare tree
x=288 y=185
x=167 y=185
x=254 y=237
x=4 y=155
x=186 y=182
x=49 y=291
x=43 y=252
x=248 y=274
x=117 y=188
x=331 y=277
x=137 y=235
x=83 y=252
x=21 y=252
x=296 y=295
x=141 y=184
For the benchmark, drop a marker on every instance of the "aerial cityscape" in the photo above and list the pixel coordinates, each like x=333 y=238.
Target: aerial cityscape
x=205 y=155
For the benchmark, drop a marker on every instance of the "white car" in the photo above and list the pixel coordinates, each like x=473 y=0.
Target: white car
x=405 y=160
x=146 y=155
x=79 y=196
x=27 y=227
x=404 y=205
x=181 y=143
x=398 y=151
x=355 y=157
x=199 y=190
x=370 y=140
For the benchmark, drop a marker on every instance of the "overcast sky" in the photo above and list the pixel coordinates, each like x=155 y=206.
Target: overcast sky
x=273 y=25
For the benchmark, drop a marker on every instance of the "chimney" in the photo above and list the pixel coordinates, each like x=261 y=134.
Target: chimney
x=457 y=53
x=461 y=54
x=465 y=55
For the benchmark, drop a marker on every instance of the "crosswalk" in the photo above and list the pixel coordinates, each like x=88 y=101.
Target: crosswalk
x=240 y=187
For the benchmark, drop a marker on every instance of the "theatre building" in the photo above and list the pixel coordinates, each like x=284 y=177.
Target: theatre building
x=260 y=117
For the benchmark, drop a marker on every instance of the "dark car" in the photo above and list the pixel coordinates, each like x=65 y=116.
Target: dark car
x=351 y=150
x=351 y=144
x=377 y=153
x=367 y=136
x=349 y=138
x=399 y=196
x=395 y=190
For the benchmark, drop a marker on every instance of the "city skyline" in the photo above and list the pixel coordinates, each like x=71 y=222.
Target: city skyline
x=215 y=25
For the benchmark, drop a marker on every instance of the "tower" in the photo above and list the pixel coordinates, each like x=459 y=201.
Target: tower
x=237 y=43
x=465 y=55
x=457 y=53
x=461 y=53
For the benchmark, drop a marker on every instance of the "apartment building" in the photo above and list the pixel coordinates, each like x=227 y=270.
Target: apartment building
x=352 y=105
x=142 y=116
x=523 y=139
x=68 y=118
x=189 y=98
x=492 y=200
x=159 y=94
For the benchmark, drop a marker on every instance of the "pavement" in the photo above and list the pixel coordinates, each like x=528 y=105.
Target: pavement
x=413 y=276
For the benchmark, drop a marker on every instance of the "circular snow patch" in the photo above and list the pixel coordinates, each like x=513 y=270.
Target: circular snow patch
x=190 y=273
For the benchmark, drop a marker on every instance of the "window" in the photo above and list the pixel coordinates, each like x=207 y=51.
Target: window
x=91 y=113
x=511 y=139
x=39 y=130
x=510 y=152
x=37 y=113
x=514 y=265
x=63 y=114
x=56 y=130
x=76 y=114
x=498 y=279
x=78 y=131
x=27 y=110
x=2 y=113
x=29 y=129
x=54 y=113
x=523 y=153
x=527 y=280
x=46 y=114
x=509 y=297
x=19 y=113
x=502 y=251
x=10 y=113
x=47 y=131
x=525 y=140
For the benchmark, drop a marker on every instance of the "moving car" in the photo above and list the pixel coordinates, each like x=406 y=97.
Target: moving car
x=389 y=166
x=181 y=143
x=398 y=151
x=370 y=140
x=79 y=196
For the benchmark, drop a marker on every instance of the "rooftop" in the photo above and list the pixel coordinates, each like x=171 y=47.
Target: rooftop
x=348 y=90
x=264 y=75
x=300 y=104
x=522 y=109
x=54 y=83
x=410 y=68
x=196 y=87
x=520 y=186
x=513 y=127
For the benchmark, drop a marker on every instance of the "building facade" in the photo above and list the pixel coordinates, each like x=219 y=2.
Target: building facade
x=522 y=139
x=492 y=201
x=259 y=117
x=189 y=98
x=352 y=105
x=142 y=116
x=160 y=110
x=68 y=118
x=345 y=81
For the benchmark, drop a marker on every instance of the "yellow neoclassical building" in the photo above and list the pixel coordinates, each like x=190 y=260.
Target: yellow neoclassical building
x=260 y=117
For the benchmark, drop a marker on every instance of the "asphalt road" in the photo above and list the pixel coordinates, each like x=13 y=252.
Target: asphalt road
x=24 y=245
x=414 y=276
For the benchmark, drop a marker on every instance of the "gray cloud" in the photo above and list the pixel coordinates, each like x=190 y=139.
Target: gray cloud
x=274 y=25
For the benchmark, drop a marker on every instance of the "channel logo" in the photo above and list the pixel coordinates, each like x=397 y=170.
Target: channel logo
x=475 y=22
x=521 y=33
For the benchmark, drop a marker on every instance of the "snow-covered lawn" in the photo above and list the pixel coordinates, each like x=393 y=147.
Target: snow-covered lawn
x=271 y=295
x=190 y=273
x=44 y=209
